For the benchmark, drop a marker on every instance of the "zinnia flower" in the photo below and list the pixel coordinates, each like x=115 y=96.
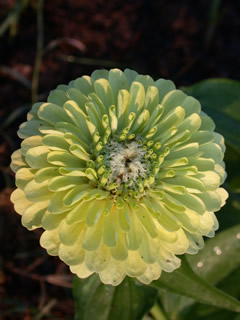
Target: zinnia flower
x=123 y=174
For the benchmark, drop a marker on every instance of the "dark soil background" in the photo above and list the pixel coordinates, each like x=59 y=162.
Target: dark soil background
x=185 y=41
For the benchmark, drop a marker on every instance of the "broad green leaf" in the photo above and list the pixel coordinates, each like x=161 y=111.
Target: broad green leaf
x=219 y=257
x=203 y=312
x=220 y=99
x=128 y=301
x=186 y=282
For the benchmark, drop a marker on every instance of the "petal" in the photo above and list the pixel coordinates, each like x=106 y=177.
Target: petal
x=72 y=254
x=18 y=161
x=134 y=264
x=23 y=176
x=81 y=270
x=37 y=157
x=153 y=272
x=69 y=233
x=52 y=113
x=20 y=201
x=97 y=260
x=36 y=192
x=32 y=217
x=113 y=273
x=50 y=241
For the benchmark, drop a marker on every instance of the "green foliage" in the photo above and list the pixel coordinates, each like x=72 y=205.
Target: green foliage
x=94 y=300
x=185 y=282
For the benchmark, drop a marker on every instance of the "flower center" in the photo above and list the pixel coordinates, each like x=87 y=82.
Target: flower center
x=126 y=163
x=125 y=168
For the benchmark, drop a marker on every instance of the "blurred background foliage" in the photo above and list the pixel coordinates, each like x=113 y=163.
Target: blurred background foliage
x=45 y=43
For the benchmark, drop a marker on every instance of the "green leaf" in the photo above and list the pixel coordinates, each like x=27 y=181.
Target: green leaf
x=186 y=282
x=203 y=312
x=94 y=300
x=221 y=253
x=220 y=99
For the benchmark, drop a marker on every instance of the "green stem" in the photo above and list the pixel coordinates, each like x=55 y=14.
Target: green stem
x=157 y=313
x=213 y=20
x=38 y=58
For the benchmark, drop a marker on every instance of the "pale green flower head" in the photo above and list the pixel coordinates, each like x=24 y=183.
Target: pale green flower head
x=123 y=174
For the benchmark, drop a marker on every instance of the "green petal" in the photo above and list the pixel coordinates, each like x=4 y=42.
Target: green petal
x=52 y=221
x=191 y=105
x=117 y=81
x=32 y=217
x=211 y=199
x=36 y=192
x=93 y=236
x=99 y=74
x=123 y=218
x=72 y=254
x=180 y=246
x=152 y=272
x=56 y=205
x=76 y=194
x=30 y=128
x=81 y=270
x=45 y=174
x=78 y=97
x=172 y=100
x=207 y=122
x=20 y=202
x=69 y=233
x=50 y=241
x=55 y=142
x=212 y=151
x=64 y=159
x=164 y=87
x=110 y=230
x=113 y=273
x=152 y=98
x=104 y=92
x=30 y=142
x=94 y=212
x=84 y=84
x=134 y=236
x=57 y=97
x=210 y=179
x=23 y=176
x=78 y=118
x=122 y=105
x=167 y=261
x=97 y=260
x=120 y=252
x=37 y=157
x=61 y=183
x=148 y=249
x=134 y=264
x=18 y=161
x=137 y=97
x=130 y=75
x=147 y=222
x=173 y=118
x=78 y=213
x=52 y=113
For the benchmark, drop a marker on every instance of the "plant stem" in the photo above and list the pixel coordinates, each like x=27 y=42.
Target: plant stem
x=38 y=58
x=213 y=20
x=157 y=313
